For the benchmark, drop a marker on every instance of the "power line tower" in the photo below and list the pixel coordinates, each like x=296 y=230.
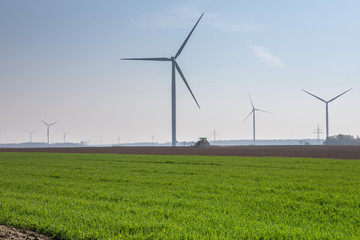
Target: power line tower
x=318 y=131
x=214 y=134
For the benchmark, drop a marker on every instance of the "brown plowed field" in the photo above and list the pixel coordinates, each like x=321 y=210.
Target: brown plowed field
x=336 y=152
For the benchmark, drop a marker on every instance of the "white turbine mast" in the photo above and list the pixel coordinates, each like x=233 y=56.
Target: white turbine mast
x=175 y=67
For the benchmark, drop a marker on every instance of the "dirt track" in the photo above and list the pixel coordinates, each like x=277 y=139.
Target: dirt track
x=336 y=152
x=10 y=233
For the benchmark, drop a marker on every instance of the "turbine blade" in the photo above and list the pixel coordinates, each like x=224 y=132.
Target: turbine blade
x=45 y=123
x=262 y=110
x=315 y=96
x=184 y=43
x=187 y=85
x=251 y=102
x=339 y=95
x=248 y=116
x=53 y=123
x=148 y=59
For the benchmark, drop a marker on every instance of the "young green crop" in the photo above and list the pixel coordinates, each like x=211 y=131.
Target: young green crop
x=99 y=196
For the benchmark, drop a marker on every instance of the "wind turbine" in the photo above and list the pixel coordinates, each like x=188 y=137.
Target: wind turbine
x=327 y=110
x=30 y=133
x=64 y=134
x=48 y=129
x=173 y=85
x=253 y=113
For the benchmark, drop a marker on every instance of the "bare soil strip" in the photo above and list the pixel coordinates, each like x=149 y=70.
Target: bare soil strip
x=335 y=152
x=13 y=233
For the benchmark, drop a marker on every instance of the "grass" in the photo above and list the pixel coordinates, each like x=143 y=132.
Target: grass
x=98 y=196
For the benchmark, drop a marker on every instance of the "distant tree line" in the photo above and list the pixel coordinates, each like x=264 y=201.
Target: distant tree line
x=342 y=140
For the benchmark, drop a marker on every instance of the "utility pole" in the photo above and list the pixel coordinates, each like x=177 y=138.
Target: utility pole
x=215 y=133
x=318 y=131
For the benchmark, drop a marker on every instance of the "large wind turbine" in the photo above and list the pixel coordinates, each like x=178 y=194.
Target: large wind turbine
x=253 y=113
x=173 y=85
x=48 y=129
x=327 y=111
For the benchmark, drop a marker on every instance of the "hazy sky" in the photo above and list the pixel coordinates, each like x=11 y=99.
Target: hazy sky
x=60 y=61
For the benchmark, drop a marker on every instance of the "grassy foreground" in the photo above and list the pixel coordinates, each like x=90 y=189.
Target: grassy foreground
x=97 y=196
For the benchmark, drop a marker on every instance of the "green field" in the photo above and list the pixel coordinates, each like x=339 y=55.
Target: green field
x=99 y=196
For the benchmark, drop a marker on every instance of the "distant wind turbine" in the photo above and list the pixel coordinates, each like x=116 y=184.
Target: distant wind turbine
x=253 y=113
x=30 y=133
x=64 y=134
x=48 y=129
x=173 y=85
x=327 y=111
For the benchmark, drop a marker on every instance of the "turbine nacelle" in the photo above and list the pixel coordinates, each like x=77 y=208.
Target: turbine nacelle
x=254 y=109
x=47 y=124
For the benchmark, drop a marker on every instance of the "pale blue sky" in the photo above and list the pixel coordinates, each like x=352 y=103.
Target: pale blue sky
x=60 y=61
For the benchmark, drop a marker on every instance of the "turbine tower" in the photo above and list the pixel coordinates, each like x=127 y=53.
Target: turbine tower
x=48 y=129
x=30 y=133
x=327 y=110
x=173 y=85
x=253 y=113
